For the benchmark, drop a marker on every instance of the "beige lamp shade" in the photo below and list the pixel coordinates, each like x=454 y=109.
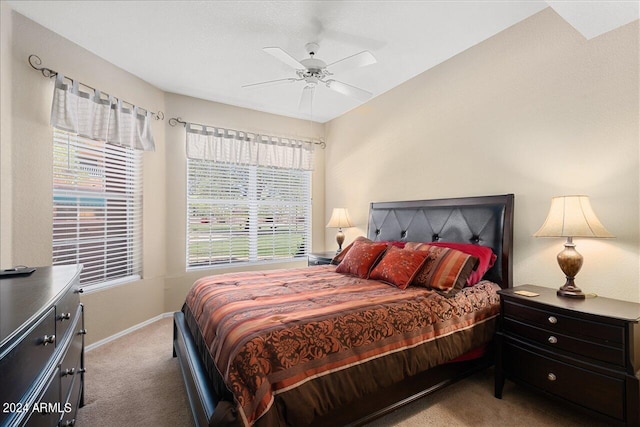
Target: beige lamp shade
x=339 y=219
x=572 y=216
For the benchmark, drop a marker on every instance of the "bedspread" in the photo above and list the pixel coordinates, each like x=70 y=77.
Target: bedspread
x=272 y=332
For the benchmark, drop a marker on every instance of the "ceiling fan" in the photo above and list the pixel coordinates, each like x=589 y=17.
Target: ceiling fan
x=314 y=71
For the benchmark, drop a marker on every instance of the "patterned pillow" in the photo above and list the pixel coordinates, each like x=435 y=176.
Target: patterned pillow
x=398 y=267
x=446 y=270
x=361 y=258
x=339 y=257
x=485 y=255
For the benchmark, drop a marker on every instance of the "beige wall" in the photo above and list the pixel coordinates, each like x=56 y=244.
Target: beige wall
x=536 y=110
x=195 y=110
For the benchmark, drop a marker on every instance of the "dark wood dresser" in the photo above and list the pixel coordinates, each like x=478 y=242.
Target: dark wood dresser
x=41 y=348
x=585 y=353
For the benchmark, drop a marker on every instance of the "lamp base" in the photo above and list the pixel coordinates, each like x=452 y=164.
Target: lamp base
x=339 y=240
x=570 y=262
x=571 y=292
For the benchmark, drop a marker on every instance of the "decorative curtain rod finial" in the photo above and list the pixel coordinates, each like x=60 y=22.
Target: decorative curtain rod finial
x=158 y=116
x=36 y=62
x=174 y=121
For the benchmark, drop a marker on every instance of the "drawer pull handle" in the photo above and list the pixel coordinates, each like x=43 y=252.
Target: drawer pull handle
x=551 y=376
x=82 y=332
x=68 y=423
x=553 y=320
x=82 y=370
x=48 y=339
x=64 y=316
x=69 y=372
x=552 y=339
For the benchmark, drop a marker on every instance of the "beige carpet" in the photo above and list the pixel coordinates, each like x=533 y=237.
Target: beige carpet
x=135 y=381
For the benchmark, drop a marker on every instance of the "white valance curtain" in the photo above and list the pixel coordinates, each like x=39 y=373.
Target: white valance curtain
x=100 y=117
x=235 y=147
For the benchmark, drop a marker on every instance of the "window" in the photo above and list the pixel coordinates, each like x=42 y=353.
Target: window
x=97 y=208
x=238 y=213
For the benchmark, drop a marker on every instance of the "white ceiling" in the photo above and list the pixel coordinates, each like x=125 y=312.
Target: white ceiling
x=209 y=49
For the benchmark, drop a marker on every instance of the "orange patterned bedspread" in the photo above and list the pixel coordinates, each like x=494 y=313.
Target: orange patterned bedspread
x=272 y=331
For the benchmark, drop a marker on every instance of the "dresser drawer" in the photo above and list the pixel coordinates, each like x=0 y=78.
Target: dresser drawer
x=552 y=321
x=47 y=412
x=555 y=340
x=70 y=366
x=27 y=359
x=589 y=389
x=66 y=312
x=70 y=408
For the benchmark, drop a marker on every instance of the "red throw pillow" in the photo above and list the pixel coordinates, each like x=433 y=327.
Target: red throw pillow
x=445 y=270
x=485 y=255
x=339 y=257
x=398 y=267
x=361 y=258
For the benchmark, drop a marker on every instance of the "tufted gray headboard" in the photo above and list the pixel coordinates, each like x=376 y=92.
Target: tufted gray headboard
x=485 y=220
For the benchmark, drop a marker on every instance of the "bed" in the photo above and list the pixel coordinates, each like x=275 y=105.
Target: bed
x=356 y=385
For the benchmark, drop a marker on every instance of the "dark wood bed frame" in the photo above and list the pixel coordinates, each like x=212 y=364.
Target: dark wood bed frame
x=485 y=220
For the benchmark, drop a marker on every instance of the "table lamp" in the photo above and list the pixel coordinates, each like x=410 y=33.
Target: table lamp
x=340 y=219
x=571 y=216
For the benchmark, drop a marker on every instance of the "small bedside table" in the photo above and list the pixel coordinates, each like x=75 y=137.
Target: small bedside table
x=320 y=258
x=582 y=352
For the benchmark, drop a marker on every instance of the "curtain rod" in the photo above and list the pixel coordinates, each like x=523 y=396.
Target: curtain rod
x=35 y=62
x=174 y=121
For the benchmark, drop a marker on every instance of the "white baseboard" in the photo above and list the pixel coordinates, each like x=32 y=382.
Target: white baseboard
x=127 y=331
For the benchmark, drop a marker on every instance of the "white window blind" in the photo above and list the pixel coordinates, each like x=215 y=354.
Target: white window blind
x=97 y=208
x=244 y=213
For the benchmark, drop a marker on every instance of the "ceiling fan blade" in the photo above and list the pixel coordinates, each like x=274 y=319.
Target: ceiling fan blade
x=306 y=100
x=349 y=90
x=284 y=57
x=361 y=59
x=271 y=83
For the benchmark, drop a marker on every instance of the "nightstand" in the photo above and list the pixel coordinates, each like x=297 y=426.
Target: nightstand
x=321 y=258
x=585 y=353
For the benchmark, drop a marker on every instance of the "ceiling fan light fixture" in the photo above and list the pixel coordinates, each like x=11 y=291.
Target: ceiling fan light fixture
x=313 y=64
x=313 y=71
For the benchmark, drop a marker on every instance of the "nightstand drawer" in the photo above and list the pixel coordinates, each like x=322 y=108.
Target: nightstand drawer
x=586 y=388
x=552 y=321
x=554 y=340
